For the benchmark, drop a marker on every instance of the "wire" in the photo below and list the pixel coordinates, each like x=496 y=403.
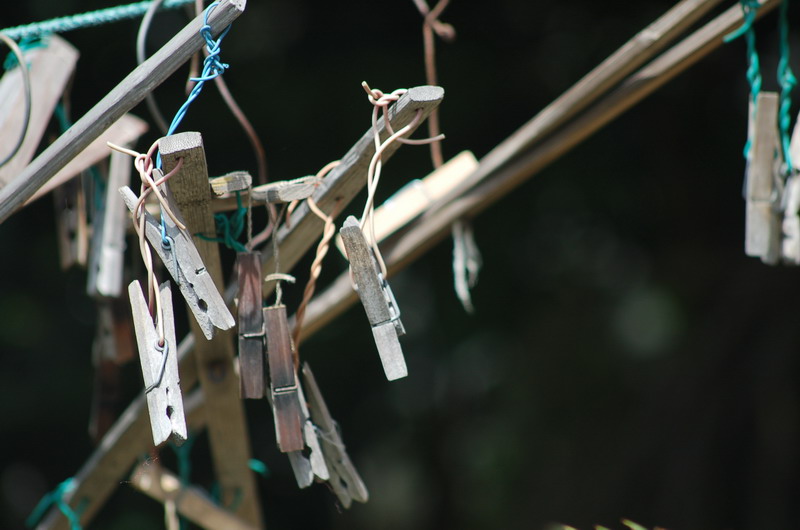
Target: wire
x=141 y=41
x=26 y=84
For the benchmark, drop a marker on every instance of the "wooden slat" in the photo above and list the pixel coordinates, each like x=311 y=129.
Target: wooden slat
x=124 y=131
x=348 y=178
x=50 y=69
x=120 y=100
x=190 y=501
x=227 y=429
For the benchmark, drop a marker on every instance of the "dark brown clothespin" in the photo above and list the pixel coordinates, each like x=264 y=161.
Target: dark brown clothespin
x=251 y=326
x=377 y=298
x=283 y=380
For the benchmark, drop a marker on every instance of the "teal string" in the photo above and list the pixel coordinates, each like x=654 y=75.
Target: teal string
x=749 y=10
x=787 y=81
x=26 y=44
x=259 y=467
x=230 y=228
x=85 y=20
x=100 y=184
x=183 y=454
x=57 y=497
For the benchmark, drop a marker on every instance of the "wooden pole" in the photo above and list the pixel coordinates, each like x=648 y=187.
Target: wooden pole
x=120 y=100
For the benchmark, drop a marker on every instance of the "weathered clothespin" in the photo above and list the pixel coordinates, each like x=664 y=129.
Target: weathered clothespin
x=790 y=249
x=344 y=479
x=159 y=366
x=183 y=262
x=112 y=347
x=763 y=182
x=284 y=389
x=307 y=467
x=71 y=224
x=108 y=240
x=252 y=371
x=377 y=298
x=286 y=190
x=50 y=68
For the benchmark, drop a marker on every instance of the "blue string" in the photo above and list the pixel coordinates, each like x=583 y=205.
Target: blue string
x=749 y=9
x=85 y=20
x=57 y=497
x=787 y=81
x=212 y=67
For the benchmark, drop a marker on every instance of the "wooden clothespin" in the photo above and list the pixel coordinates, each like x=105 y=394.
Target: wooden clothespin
x=286 y=190
x=252 y=372
x=307 y=467
x=377 y=298
x=183 y=262
x=159 y=366
x=107 y=258
x=344 y=479
x=790 y=249
x=284 y=389
x=112 y=347
x=763 y=183
x=71 y=224
x=50 y=68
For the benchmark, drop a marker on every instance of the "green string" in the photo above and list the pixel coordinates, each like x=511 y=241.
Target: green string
x=57 y=497
x=749 y=10
x=230 y=228
x=85 y=20
x=26 y=44
x=787 y=81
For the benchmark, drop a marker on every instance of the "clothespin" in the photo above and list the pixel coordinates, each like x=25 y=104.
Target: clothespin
x=344 y=479
x=159 y=366
x=763 y=182
x=112 y=347
x=251 y=326
x=108 y=240
x=183 y=262
x=790 y=249
x=284 y=388
x=50 y=68
x=377 y=298
x=286 y=190
x=71 y=224
x=307 y=467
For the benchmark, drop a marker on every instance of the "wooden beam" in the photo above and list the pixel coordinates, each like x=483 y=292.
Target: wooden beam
x=190 y=501
x=227 y=428
x=120 y=100
x=345 y=181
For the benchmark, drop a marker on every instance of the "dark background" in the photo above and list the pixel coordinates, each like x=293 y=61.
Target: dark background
x=626 y=358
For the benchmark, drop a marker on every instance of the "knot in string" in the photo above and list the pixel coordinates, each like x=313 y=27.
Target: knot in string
x=749 y=10
x=212 y=66
x=56 y=497
x=788 y=81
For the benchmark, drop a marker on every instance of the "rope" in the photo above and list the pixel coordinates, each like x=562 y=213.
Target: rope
x=787 y=81
x=56 y=497
x=86 y=20
x=749 y=9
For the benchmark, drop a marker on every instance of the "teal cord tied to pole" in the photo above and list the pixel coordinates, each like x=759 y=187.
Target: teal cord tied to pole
x=26 y=44
x=788 y=82
x=57 y=497
x=230 y=228
x=750 y=10
x=85 y=20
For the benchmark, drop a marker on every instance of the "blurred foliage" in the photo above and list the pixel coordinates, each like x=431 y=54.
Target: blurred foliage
x=625 y=357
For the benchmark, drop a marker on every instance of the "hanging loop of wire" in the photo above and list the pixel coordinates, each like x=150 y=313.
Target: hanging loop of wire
x=381 y=101
x=26 y=87
x=143 y=162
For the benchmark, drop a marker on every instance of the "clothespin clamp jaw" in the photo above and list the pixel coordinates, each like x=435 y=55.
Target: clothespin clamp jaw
x=159 y=362
x=306 y=468
x=764 y=183
x=182 y=260
x=377 y=298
